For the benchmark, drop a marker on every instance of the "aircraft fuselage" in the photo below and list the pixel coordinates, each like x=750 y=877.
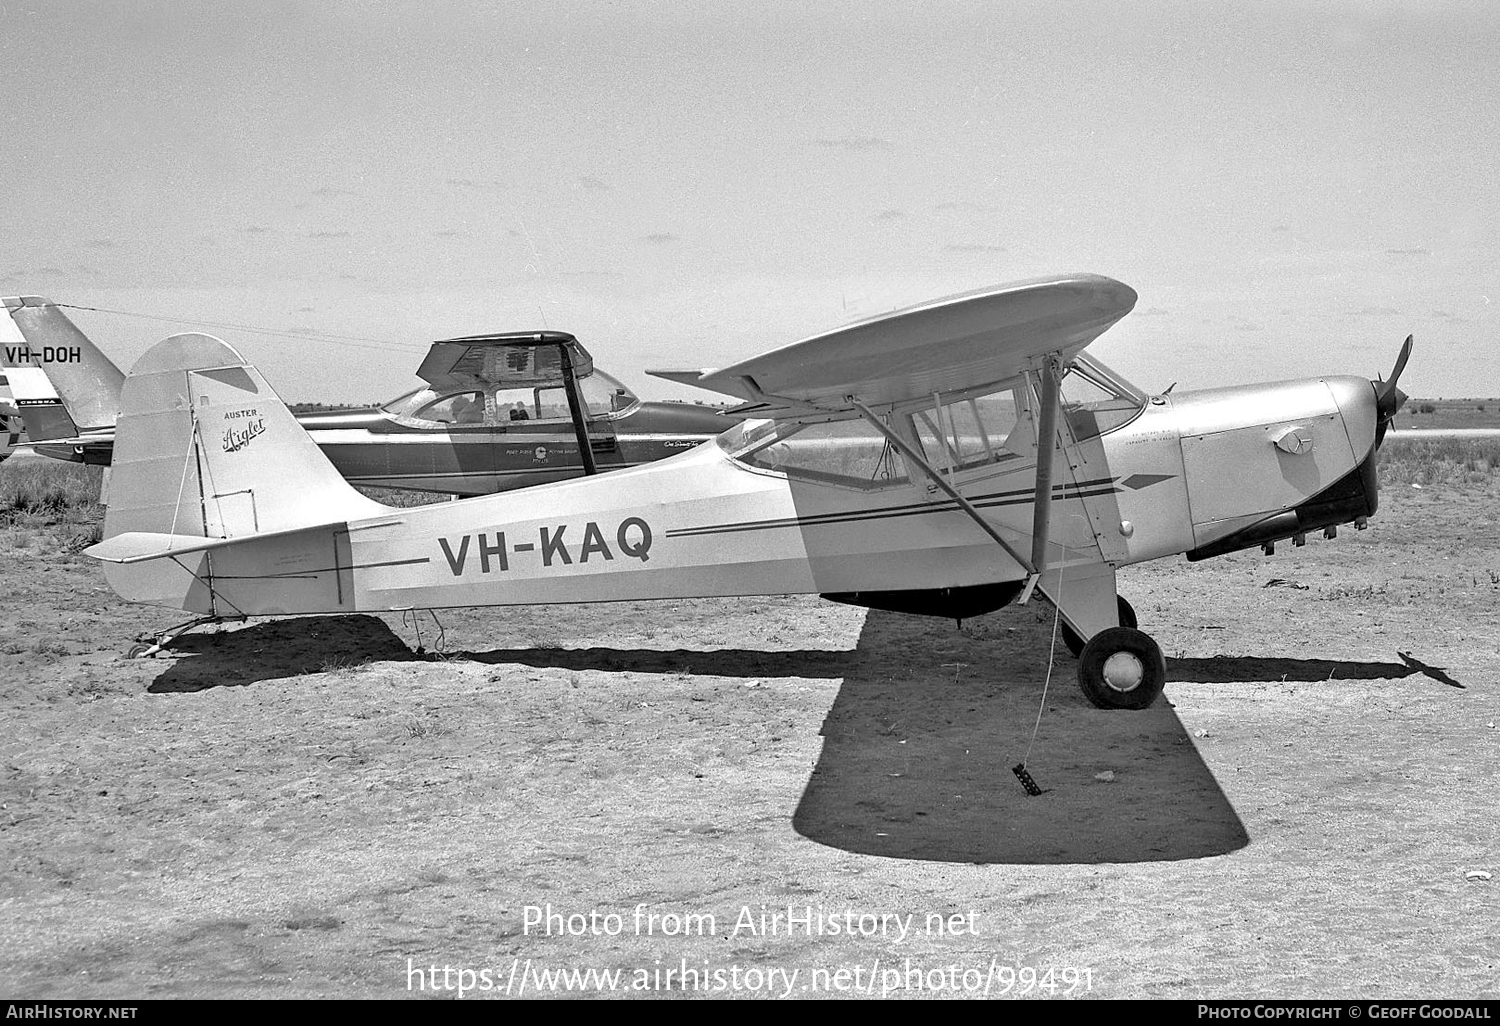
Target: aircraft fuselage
x=373 y=449
x=1187 y=473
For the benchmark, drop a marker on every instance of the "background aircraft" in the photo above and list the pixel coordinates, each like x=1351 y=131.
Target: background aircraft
x=947 y=459
x=498 y=411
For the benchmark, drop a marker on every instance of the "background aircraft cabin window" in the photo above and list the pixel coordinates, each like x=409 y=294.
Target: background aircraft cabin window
x=850 y=453
x=513 y=404
x=407 y=405
x=1092 y=406
x=460 y=408
x=970 y=432
x=552 y=404
x=601 y=394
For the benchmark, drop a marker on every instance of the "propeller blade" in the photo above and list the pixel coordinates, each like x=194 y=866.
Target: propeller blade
x=1385 y=388
x=1388 y=398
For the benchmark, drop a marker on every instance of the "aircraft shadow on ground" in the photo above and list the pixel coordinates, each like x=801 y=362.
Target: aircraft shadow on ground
x=919 y=744
x=725 y=662
x=1223 y=669
x=276 y=649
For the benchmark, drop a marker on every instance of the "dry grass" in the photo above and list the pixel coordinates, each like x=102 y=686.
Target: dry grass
x=47 y=506
x=402 y=498
x=50 y=490
x=1447 y=461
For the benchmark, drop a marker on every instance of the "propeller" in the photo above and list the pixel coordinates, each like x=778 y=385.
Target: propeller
x=1388 y=398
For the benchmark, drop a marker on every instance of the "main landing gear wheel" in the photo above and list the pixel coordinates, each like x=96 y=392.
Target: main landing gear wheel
x=1075 y=643
x=1122 y=668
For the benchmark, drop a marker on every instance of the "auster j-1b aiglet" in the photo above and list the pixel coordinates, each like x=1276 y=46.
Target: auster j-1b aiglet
x=891 y=463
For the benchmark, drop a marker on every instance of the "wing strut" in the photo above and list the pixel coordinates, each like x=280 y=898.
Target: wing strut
x=937 y=479
x=1046 y=438
x=575 y=409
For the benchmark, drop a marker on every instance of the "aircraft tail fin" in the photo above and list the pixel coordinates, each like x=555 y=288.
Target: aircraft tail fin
x=36 y=336
x=205 y=448
x=34 y=403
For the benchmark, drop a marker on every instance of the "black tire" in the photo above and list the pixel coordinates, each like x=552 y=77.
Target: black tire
x=1132 y=683
x=1075 y=643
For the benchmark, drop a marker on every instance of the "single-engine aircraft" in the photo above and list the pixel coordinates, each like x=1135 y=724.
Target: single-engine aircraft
x=498 y=411
x=892 y=463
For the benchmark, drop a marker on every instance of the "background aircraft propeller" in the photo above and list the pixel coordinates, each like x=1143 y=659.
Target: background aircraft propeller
x=1388 y=398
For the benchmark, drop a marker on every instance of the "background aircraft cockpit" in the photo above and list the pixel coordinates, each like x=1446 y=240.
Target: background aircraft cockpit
x=602 y=395
x=496 y=380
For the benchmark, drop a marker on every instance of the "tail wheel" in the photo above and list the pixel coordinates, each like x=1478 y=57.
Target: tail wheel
x=1075 y=643
x=1122 y=668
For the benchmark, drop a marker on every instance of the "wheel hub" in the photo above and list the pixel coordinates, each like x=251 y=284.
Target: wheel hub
x=1124 y=671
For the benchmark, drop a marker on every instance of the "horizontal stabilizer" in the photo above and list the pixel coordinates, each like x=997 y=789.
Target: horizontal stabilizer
x=140 y=546
x=143 y=546
x=687 y=377
x=66 y=441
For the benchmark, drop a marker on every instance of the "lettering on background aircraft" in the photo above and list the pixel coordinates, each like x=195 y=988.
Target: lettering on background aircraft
x=47 y=354
x=632 y=536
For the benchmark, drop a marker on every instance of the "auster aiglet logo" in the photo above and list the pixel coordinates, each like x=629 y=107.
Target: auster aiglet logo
x=238 y=435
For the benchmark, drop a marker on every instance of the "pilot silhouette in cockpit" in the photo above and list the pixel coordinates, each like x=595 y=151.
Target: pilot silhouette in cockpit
x=467 y=411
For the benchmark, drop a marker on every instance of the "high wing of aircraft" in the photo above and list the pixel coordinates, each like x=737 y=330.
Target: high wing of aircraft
x=495 y=414
x=947 y=460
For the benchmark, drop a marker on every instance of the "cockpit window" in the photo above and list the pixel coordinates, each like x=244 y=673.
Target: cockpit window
x=849 y=453
x=971 y=431
x=602 y=396
x=1095 y=401
x=463 y=408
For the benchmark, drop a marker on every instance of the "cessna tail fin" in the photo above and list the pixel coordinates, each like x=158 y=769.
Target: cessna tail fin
x=205 y=448
x=37 y=336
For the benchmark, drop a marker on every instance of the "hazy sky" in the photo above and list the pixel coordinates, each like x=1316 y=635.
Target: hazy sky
x=1291 y=187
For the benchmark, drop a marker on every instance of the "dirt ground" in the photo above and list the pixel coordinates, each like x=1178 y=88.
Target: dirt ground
x=306 y=807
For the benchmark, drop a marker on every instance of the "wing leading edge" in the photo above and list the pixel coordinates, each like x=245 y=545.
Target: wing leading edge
x=938 y=346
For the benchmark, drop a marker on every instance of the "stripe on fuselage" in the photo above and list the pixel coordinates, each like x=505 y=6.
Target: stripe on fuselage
x=993 y=500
